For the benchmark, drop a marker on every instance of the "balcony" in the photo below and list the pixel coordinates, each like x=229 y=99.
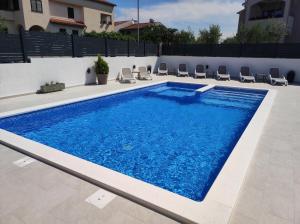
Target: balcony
x=267 y=10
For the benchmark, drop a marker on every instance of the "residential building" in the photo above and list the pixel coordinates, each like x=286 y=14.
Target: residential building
x=266 y=11
x=131 y=26
x=68 y=16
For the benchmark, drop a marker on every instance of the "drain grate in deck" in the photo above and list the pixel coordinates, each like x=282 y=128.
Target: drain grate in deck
x=100 y=198
x=24 y=161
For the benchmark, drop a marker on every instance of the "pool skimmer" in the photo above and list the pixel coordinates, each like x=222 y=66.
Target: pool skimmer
x=100 y=198
x=24 y=161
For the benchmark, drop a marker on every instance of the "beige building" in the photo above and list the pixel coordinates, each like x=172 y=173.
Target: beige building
x=266 y=11
x=68 y=16
x=130 y=27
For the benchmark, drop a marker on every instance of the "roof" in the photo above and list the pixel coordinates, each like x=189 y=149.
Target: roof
x=104 y=2
x=135 y=26
x=239 y=12
x=117 y=23
x=68 y=22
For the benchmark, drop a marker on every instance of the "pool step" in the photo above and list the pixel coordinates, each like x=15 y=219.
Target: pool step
x=231 y=98
x=205 y=88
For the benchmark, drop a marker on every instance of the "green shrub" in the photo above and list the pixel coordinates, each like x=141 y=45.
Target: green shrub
x=101 y=66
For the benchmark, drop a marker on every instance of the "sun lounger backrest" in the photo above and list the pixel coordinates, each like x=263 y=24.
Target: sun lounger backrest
x=200 y=69
x=274 y=72
x=245 y=71
x=163 y=66
x=182 y=67
x=143 y=69
x=126 y=72
x=222 y=70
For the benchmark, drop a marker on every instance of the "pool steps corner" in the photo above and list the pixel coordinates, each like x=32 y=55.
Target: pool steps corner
x=205 y=88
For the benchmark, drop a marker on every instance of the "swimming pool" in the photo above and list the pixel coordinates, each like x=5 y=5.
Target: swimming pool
x=168 y=135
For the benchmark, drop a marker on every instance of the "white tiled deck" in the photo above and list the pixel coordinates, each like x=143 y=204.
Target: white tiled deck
x=38 y=193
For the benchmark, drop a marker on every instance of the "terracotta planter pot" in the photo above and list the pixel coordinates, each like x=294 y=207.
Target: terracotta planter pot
x=102 y=79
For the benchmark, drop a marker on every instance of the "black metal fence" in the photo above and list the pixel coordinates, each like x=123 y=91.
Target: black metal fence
x=19 y=47
x=235 y=50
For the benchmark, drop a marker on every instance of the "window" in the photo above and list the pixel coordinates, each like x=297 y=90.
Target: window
x=36 y=6
x=9 y=5
x=70 y=13
x=62 y=30
x=75 y=32
x=106 y=19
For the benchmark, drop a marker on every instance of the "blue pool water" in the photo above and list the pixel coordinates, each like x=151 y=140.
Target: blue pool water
x=167 y=135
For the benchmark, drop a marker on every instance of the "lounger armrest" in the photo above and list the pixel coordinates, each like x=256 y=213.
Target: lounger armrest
x=270 y=77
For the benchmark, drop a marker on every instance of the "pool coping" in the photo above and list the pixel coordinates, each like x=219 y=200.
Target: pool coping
x=220 y=199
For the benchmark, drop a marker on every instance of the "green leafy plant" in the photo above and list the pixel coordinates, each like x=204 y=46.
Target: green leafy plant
x=272 y=32
x=3 y=27
x=101 y=66
x=211 y=36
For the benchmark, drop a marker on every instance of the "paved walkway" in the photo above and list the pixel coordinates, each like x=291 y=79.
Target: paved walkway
x=39 y=193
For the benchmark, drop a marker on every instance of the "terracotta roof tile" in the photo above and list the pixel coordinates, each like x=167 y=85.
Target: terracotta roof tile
x=120 y=22
x=135 y=26
x=68 y=22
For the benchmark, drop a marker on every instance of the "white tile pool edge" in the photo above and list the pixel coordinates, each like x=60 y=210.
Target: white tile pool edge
x=216 y=207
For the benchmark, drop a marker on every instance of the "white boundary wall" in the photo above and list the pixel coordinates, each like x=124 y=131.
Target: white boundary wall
x=24 y=78
x=20 y=78
x=257 y=65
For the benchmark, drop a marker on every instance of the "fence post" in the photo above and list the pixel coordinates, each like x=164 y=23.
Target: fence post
x=73 y=46
x=144 y=48
x=128 y=48
x=241 y=50
x=23 y=47
x=106 y=47
x=277 y=50
x=158 y=49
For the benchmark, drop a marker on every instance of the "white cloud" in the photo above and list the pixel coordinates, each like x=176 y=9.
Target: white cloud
x=185 y=13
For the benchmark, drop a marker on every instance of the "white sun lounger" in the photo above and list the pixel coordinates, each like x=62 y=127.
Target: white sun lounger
x=246 y=75
x=222 y=73
x=163 y=69
x=127 y=76
x=143 y=74
x=200 y=71
x=182 y=70
x=276 y=78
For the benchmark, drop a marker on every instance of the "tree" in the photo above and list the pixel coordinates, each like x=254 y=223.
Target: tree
x=110 y=35
x=210 y=36
x=158 y=34
x=267 y=33
x=230 y=40
x=3 y=27
x=184 y=37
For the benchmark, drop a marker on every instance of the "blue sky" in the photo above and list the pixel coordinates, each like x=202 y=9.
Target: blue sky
x=185 y=14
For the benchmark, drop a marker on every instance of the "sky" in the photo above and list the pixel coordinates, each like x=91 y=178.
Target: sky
x=184 y=14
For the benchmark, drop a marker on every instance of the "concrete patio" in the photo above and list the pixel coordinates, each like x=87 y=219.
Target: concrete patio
x=39 y=193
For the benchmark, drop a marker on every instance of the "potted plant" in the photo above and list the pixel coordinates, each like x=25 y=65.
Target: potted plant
x=101 y=70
